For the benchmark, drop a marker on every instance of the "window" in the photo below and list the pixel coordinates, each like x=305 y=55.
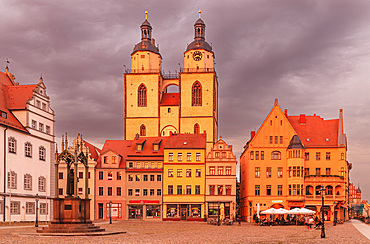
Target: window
x=198 y=173
x=47 y=129
x=220 y=190
x=27 y=182
x=196 y=94
x=152 y=165
x=43 y=208
x=196 y=128
x=30 y=207
x=101 y=175
x=130 y=164
x=294 y=171
x=224 y=154
x=43 y=106
x=268 y=190
x=42 y=153
x=33 y=124
x=137 y=192
x=275 y=155
x=138 y=165
x=137 y=177
x=145 y=177
x=42 y=182
x=12 y=144
x=141 y=100
x=170 y=173
x=197 y=157
x=211 y=190
x=61 y=175
x=114 y=160
x=130 y=177
x=252 y=155
x=228 y=190
x=145 y=192
x=212 y=170
x=159 y=192
x=342 y=156
x=281 y=140
x=342 y=171
x=28 y=149
x=159 y=165
x=268 y=172
x=197 y=189
x=318 y=156
x=318 y=171
x=276 y=139
x=80 y=190
x=329 y=190
x=270 y=122
x=328 y=171
x=179 y=189
x=280 y=190
x=179 y=173
x=280 y=172
x=328 y=156
x=170 y=157
x=159 y=177
x=151 y=177
x=188 y=157
x=307 y=171
x=119 y=175
x=142 y=132
x=179 y=157
x=217 y=155
x=60 y=191
x=37 y=103
x=257 y=155
x=80 y=175
x=152 y=192
x=101 y=191
x=257 y=172
x=188 y=173
x=15 y=207
x=228 y=170
x=4 y=114
x=88 y=175
x=220 y=170
x=41 y=127
x=170 y=190
x=257 y=190
x=110 y=175
x=271 y=138
x=188 y=190
x=262 y=155
x=129 y=192
x=118 y=191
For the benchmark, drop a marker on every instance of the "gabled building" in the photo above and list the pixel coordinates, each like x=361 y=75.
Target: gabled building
x=221 y=181
x=110 y=180
x=27 y=154
x=152 y=109
x=184 y=177
x=288 y=161
x=144 y=178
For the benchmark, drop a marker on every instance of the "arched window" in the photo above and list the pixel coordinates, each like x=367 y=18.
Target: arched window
x=196 y=128
x=196 y=94
x=141 y=96
x=142 y=130
x=275 y=155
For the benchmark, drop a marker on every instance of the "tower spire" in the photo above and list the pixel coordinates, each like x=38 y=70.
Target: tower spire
x=199 y=13
x=146 y=15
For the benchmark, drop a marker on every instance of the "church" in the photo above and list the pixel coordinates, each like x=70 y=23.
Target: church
x=151 y=110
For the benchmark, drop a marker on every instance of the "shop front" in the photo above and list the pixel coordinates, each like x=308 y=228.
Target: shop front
x=188 y=212
x=144 y=210
x=219 y=210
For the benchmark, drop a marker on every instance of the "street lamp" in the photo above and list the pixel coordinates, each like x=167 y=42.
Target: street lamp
x=218 y=216
x=110 y=212
x=37 y=210
x=322 y=190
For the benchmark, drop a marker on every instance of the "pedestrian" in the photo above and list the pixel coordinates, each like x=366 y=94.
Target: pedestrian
x=310 y=222
x=306 y=219
x=239 y=220
x=335 y=221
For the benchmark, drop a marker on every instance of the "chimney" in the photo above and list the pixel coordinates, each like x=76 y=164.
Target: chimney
x=286 y=112
x=253 y=133
x=341 y=121
x=302 y=119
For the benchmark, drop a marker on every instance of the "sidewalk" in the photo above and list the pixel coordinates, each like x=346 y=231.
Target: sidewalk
x=363 y=228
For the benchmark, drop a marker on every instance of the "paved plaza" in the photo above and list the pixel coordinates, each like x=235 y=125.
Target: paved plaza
x=190 y=232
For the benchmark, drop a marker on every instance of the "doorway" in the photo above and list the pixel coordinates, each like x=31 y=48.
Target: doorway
x=101 y=214
x=183 y=213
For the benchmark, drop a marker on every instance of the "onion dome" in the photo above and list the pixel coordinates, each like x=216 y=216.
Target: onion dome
x=199 y=37
x=147 y=42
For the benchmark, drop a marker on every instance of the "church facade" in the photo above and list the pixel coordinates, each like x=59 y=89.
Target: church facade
x=151 y=110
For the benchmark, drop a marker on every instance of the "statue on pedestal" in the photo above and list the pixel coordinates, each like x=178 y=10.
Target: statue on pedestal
x=70 y=183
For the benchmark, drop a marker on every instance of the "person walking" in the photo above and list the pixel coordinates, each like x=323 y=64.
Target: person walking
x=310 y=222
x=306 y=219
x=239 y=220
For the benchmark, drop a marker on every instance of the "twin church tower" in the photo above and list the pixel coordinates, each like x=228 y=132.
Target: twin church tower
x=151 y=110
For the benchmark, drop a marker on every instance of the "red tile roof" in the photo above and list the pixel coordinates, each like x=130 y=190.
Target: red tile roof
x=93 y=150
x=121 y=147
x=148 y=153
x=316 y=132
x=170 y=99
x=19 y=95
x=187 y=141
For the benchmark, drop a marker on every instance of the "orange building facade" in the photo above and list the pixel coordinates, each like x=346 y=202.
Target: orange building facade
x=289 y=159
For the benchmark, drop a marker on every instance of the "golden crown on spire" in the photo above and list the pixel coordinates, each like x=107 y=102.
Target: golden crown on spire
x=146 y=14
x=199 y=13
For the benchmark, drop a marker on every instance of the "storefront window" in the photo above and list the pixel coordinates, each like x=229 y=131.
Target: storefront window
x=153 y=211
x=195 y=211
x=172 y=210
x=116 y=210
x=213 y=209
x=135 y=211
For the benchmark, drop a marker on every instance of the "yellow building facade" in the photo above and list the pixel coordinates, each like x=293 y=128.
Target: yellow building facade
x=150 y=109
x=184 y=177
x=288 y=161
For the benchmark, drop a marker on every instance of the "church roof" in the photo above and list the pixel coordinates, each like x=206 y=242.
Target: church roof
x=170 y=99
x=145 y=45
x=315 y=131
x=199 y=44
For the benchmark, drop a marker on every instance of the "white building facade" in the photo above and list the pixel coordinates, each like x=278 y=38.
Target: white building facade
x=27 y=152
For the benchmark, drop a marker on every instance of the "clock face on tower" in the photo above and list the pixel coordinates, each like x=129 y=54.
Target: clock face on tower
x=197 y=55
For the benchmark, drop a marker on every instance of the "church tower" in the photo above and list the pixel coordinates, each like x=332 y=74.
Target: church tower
x=150 y=110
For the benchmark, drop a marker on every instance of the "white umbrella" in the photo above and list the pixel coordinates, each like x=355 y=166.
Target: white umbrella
x=294 y=211
x=275 y=211
x=306 y=211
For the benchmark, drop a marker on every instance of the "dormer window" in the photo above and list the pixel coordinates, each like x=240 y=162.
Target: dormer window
x=105 y=159
x=38 y=103
x=155 y=147
x=139 y=147
x=4 y=115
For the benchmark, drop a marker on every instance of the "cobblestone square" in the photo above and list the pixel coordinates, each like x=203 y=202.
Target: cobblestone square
x=190 y=232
